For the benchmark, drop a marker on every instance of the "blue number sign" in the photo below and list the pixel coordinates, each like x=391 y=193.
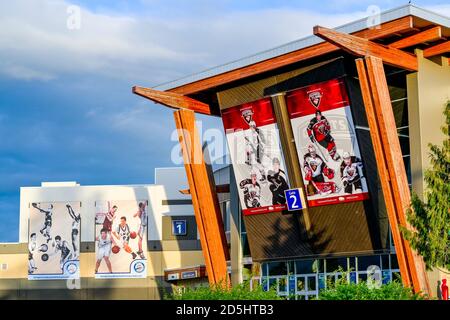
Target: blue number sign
x=294 y=199
x=179 y=227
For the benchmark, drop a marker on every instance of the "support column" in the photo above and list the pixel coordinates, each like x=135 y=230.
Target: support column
x=204 y=199
x=290 y=152
x=391 y=167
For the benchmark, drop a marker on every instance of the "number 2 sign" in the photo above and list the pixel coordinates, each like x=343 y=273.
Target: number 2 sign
x=294 y=199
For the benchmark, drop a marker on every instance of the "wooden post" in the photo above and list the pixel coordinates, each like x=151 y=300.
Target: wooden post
x=290 y=152
x=391 y=166
x=204 y=199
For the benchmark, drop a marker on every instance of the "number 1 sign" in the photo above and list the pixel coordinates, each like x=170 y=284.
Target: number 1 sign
x=295 y=200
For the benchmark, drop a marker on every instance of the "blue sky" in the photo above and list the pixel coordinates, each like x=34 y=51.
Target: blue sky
x=66 y=107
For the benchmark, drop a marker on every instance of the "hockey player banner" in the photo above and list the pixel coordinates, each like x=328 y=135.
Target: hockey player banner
x=54 y=240
x=255 y=151
x=326 y=143
x=121 y=239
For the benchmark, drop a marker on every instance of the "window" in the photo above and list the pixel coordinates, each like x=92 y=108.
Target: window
x=277 y=268
x=366 y=261
x=334 y=264
x=394 y=262
x=305 y=266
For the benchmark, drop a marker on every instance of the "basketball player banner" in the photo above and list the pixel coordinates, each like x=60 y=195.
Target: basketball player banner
x=121 y=239
x=258 y=163
x=326 y=143
x=54 y=240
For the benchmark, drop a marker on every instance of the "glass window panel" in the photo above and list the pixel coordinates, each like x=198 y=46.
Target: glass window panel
x=400 y=110
x=312 y=285
x=245 y=245
x=394 y=262
x=385 y=261
x=277 y=268
x=305 y=266
x=365 y=261
x=282 y=284
x=396 y=276
x=362 y=277
x=318 y=266
x=335 y=264
x=352 y=263
x=300 y=283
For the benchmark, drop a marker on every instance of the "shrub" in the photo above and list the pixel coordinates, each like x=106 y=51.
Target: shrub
x=344 y=290
x=219 y=292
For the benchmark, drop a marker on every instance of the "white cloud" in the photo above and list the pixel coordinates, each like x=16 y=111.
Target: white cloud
x=35 y=43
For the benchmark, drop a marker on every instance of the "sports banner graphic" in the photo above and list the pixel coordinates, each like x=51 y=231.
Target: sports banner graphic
x=326 y=143
x=54 y=240
x=121 y=239
x=258 y=164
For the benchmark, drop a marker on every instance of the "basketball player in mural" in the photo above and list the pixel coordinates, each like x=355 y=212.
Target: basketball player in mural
x=319 y=131
x=32 y=248
x=252 y=191
x=63 y=247
x=122 y=233
x=104 y=244
x=254 y=144
x=142 y=215
x=351 y=173
x=315 y=172
x=75 y=230
x=109 y=218
x=46 y=228
x=278 y=183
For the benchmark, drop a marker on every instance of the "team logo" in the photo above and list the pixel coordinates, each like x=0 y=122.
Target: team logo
x=247 y=114
x=315 y=97
x=139 y=267
x=72 y=268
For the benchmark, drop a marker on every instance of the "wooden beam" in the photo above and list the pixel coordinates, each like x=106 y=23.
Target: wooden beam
x=290 y=154
x=363 y=47
x=437 y=49
x=395 y=164
x=383 y=171
x=172 y=100
x=220 y=188
x=432 y=34
x=204 y=199
x=397 y=26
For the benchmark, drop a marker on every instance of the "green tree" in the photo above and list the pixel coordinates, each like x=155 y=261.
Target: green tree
x=430 y=219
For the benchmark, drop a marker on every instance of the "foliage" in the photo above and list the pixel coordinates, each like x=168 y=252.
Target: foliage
x=220 y=292
x=430 y=220
x=345 y=290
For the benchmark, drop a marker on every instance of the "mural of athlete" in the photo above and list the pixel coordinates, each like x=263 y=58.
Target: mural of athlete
x=109 y=218
x=142 y=215
x=278 y=183
x=122 y=233
x=350 y=173
x=254 y=140
x=319 y=131
x=252 y=191
x=63 y=247
x=46 y=228
x=315 y=172
x=104 y=244
x=32 y=246
x=75 y=229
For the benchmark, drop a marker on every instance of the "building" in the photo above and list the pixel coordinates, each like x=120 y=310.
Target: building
x=394 y=77
x=297 y=252
x=172 y=259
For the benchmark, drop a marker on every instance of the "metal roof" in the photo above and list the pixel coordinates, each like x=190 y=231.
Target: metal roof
x=358 y=25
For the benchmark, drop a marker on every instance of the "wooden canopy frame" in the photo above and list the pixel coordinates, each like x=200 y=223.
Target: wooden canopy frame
x=375 y=93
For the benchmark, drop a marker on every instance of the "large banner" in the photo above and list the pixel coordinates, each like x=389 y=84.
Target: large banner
x=326 y=143
x=54 y=240
x=121 y=239
x=255 y=151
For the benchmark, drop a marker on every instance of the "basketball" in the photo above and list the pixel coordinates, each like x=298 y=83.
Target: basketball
x=43 y=248
x=44 y=257
x=115 y=249
x=133 y=235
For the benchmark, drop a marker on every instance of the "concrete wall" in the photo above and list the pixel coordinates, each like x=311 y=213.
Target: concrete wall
x=428 y=91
